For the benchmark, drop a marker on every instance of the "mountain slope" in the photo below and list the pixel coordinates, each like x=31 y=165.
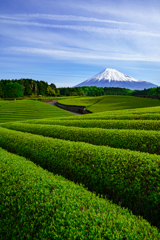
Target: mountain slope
x=113 y=78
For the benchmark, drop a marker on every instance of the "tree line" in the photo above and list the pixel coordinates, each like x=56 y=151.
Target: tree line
x=28 y=87
x=99 y=91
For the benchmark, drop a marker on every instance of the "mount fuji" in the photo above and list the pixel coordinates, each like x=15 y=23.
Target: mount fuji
x=113 y=78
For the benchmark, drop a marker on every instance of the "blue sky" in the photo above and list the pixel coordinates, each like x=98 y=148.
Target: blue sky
x=66 y=41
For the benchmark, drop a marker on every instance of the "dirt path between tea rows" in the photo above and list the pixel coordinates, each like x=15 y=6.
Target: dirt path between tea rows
x=54 y=104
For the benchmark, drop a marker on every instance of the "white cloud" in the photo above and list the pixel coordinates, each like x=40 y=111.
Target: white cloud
x=72 y=18
x=82 y=55
x=133 y=10
x=85 y=28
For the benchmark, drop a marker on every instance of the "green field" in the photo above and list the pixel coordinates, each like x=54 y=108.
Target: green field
x=36 y=204
x=146 y=113
x=26 y=109
x=104 y=124
x=52 y=98
x=111 y=103
x=93 y=176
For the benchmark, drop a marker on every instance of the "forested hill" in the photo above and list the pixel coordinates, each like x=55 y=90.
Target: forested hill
x=99 y=91
x=35 y=87
x=30 y=87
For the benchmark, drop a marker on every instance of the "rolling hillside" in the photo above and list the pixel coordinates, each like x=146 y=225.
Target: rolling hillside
x=111 y=103
x=26 y=109
x=94 y=176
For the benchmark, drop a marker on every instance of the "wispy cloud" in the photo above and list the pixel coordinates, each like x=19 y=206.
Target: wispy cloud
x=72 y=18
x=84 y=28
x=139 y=68
x=72 y=37
x=135 y=10
x=84 y=55
x=9 y=17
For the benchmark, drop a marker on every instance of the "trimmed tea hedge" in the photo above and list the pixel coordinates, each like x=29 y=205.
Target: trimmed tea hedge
x=104 y=116
x=138 y=140
x=111 y=103
x=150 y=113
x=125 y=176
x=35 y=204
x=20 y=110
x=106 y=124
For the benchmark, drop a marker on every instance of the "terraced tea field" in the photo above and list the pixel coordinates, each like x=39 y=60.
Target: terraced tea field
x=26 y=109
x=111 y=103
x=94 y=176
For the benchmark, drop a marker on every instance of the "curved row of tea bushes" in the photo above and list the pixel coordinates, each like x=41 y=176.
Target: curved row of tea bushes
x=149 y=113
x=106 y=124
x=144 y=110
x=35 y=204
x=27 y=109
x=125 y=176
x=136 y=140
x=107 y=116
x=110 y=102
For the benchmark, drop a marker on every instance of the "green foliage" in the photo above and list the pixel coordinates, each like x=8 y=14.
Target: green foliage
x=105 y=124
x=13 y=90
x=110 y=103
x=95 y=91
x=137 y=140
x=21 y=110
x=148 y=116
x=125 y=176
x=51 y=91
x=146 y=92
x=27 y=87
x=158 y=90
x=35 y=204
x=1 y=90
x=146 y=113
x=100 y=91
x=128 y=178
x=30 y=86
x=41 y=98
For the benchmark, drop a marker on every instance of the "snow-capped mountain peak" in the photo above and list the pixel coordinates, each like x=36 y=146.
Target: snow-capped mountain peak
x=113 y=78
x=112 y=74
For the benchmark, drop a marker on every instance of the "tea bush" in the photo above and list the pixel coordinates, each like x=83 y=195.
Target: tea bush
x=138 y=140
x=129 y=178
x=35 y=204
x=106 y=124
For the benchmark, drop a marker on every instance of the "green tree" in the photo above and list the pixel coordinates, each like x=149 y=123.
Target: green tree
x=50 y=91
x=67 y=92
x=13 y=90
x=1 y=90
x=158 y=90
x=57 y=92
x=42 y=88
x=27 y=88
x=52 y=85
x=73 y=93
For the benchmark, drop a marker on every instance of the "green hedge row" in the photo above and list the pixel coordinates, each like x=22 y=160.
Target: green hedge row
x=26 y=109
x=35 y=204
x=136 y=140
x=106 y=124
x=125 y=176
x=150 y=113
x=148 y=116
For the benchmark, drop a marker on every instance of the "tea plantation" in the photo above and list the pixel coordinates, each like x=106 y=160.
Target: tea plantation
x=111 y=103
x=93 y=176
x=26 y=109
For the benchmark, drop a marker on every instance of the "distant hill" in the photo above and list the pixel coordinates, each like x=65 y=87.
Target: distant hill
x=30 y=86
x=113 y=78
